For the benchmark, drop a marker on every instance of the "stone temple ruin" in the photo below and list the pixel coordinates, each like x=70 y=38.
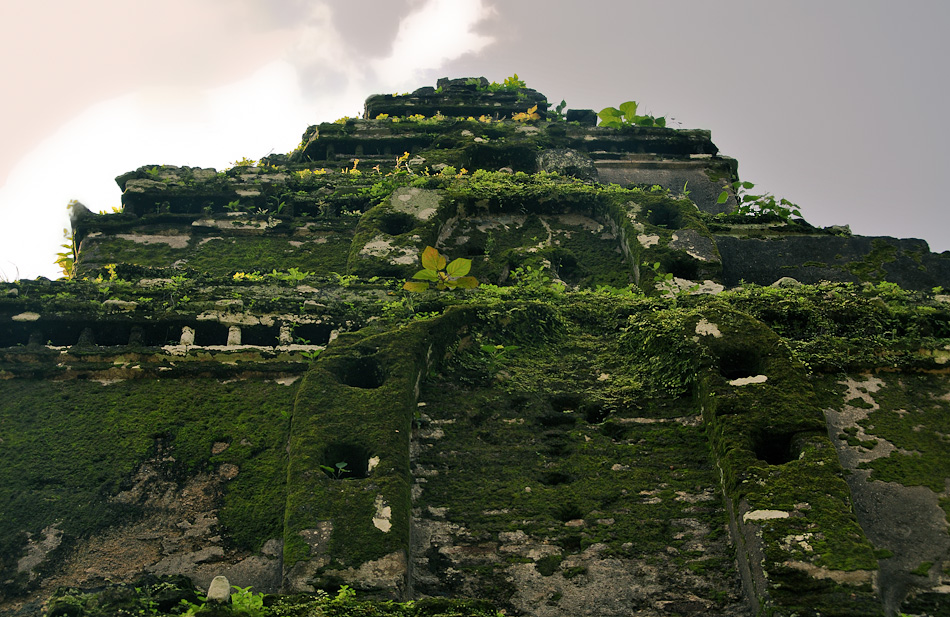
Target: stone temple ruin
x=650 y=406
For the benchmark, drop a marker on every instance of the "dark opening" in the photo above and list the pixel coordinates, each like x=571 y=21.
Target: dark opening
x=775 y=448
x=359 y=372
x=156 y=335
x=210 y=333
x=681 y=265
x=594 y=413
x=556 y=418
x=554 y=478
x=397 y=223
x=312 y=334
x=565 y=402
x=564 y=264
x=345 y=461
x=113 y=334
x=14 y=334
x=62 y=333
x=264 y=336
x=740 y=361
x=665 y=215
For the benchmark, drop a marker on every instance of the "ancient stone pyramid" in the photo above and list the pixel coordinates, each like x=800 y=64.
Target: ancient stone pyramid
x=628 y=416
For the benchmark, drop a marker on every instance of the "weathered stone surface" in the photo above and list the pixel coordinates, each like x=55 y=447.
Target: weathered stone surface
x=810 y=259
x=220 y=590
x=567 y=162
x=240 y=387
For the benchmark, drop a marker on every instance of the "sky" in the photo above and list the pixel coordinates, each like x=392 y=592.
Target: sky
x=836 y=105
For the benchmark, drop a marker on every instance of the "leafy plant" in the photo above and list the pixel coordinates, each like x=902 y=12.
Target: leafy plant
x=626 y=115
x=511 y=84
x=752 y=205
x=524 y=116
x=436 y=270
x=336 y=471
x=244 y=162
x=66 y=259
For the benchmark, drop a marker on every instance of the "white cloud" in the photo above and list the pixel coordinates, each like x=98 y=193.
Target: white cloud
x=437 y=32
x=182 y=124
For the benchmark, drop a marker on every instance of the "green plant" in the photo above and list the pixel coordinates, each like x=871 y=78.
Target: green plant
x=234 y=206
x=66 y=259
x=752 y=205
x=524 y=116
x=244 y=162
x=626 y=115
x=435 y=270
x=511 y=84
x=336 y=471
x=293 y=275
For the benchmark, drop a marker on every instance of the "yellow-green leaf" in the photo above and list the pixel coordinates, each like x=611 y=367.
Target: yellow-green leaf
x=432 y=260
x=415 y=286
x=426 y=275
x=459 y=267
x=466 y=282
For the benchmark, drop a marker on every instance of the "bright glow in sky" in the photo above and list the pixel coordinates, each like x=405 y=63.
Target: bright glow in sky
x=836 y=106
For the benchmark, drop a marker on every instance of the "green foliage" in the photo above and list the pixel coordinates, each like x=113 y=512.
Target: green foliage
x=626 y=115
x=435 y=271
x=510 y=84
x=754 y=205
x=337 y=471
x=66 y=259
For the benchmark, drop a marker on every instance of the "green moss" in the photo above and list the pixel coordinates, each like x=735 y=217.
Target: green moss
x=70 y=446
x=923 y=569
x=871 y=268
x=919 y=434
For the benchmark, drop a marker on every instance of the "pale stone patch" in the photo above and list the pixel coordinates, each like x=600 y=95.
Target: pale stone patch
x=371 y=464
x=176 y=241
x=382 y=520
x=745 y=381
x=852 y=577
x=37 y=549
x=763 y=515
x=707 y=328
x=646 y=241
x=28 y=316
x=115 y=305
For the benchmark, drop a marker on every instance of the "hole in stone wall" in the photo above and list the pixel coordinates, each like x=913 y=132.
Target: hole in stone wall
x=565 y=402
x=665 y=215
x=156 y=335
x=556 y=418
x=345 y=461
x=14 y=334
x=397 y=223
x=312 y=333
x=681 y=265
x=264 y=336
x=594 y=413
x=739 y=361
x=210 y=333
x=359 y=372
x=62 y=333
x=555 y=478
x=775 y=448
x=113 y=334
x=563 y=263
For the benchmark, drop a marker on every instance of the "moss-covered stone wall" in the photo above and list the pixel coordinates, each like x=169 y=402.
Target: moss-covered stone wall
x=234 y=381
